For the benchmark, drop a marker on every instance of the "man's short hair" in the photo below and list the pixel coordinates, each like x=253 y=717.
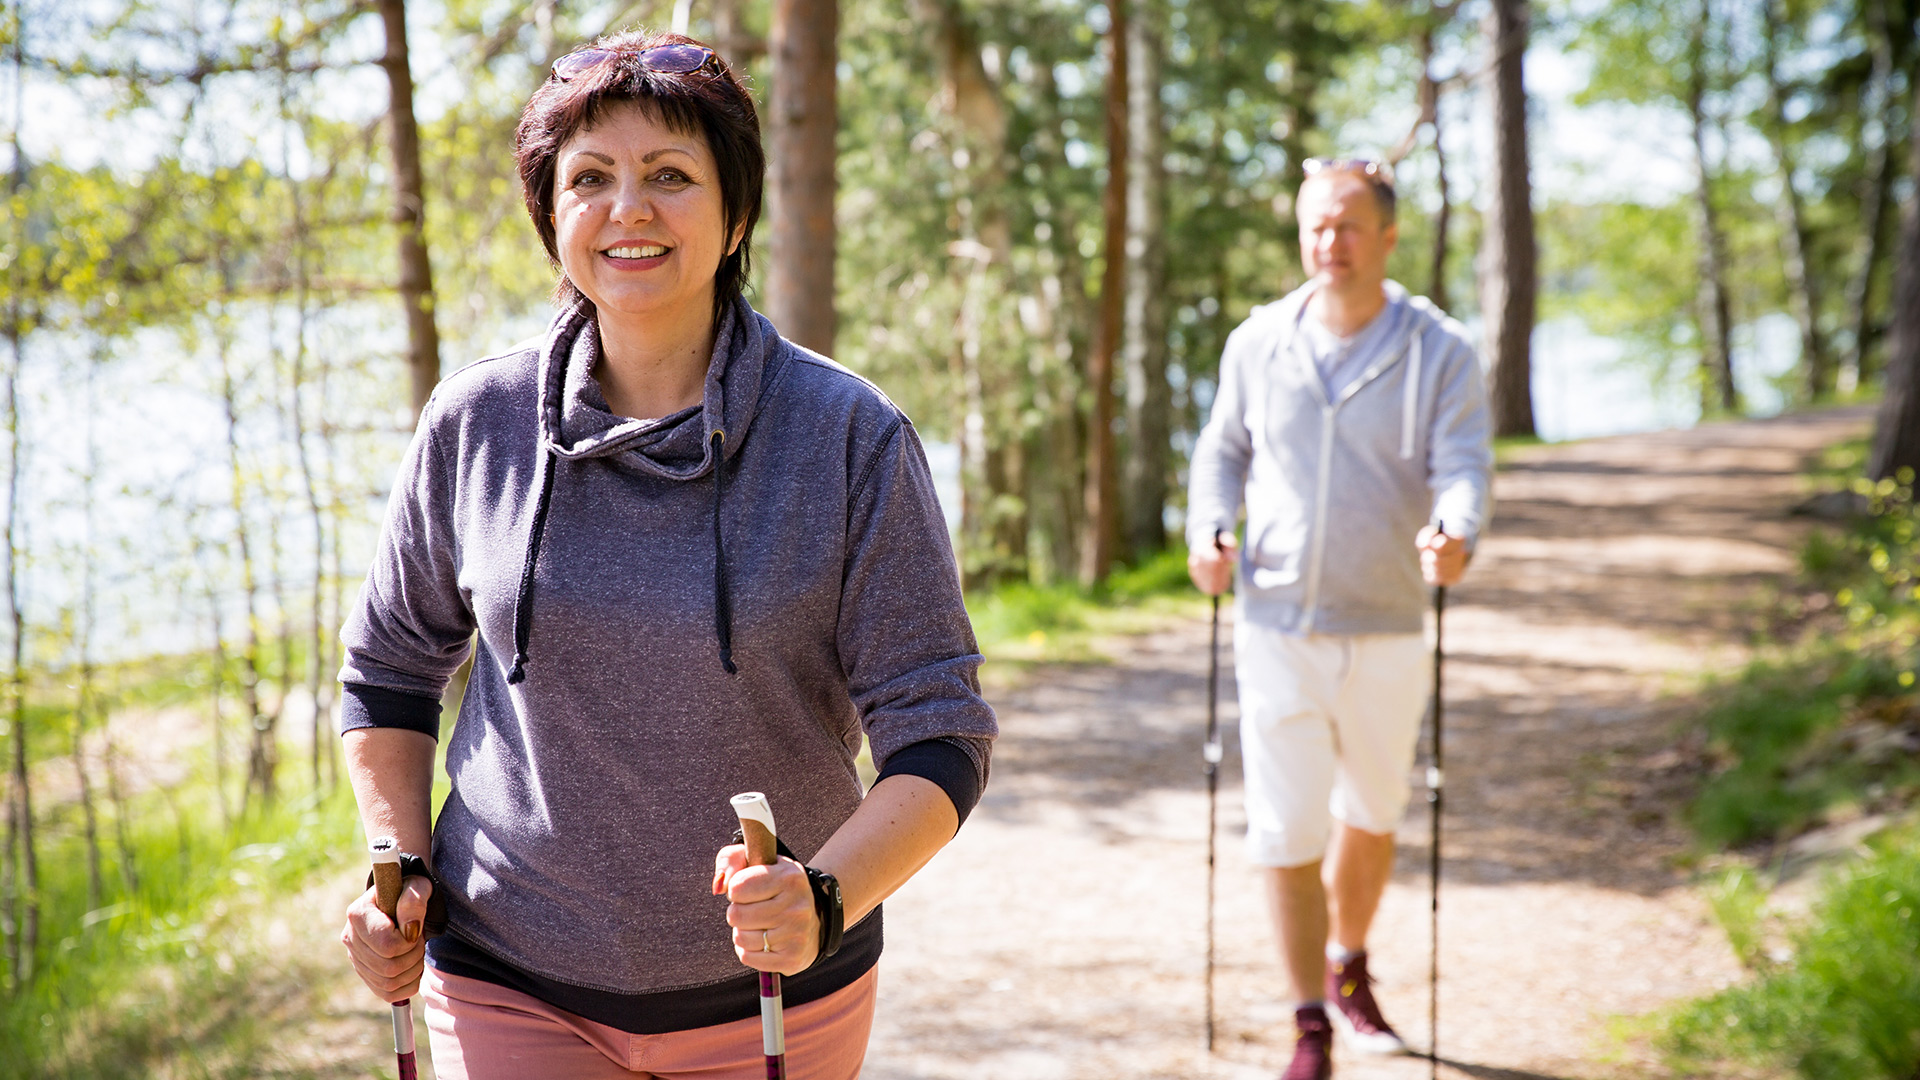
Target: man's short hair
x=1377 y=175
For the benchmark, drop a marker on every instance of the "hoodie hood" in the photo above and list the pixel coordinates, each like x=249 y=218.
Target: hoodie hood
x=577 y=424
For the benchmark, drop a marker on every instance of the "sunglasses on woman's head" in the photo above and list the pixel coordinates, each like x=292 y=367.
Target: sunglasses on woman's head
x=675 y=59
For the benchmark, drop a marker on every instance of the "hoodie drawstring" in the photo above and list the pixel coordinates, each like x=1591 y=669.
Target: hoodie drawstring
x=722 y=604
x=522 y=605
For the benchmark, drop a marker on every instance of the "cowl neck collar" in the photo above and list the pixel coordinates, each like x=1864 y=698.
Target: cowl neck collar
x=576 y=422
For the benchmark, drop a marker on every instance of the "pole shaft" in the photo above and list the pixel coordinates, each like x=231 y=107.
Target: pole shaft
x=1211 y=754
x=763 y=849
x=1436 y=780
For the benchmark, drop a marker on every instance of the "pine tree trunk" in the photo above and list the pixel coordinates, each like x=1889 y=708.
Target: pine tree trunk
x=1508 y=280
x=801 y=127
x=1896 y=437
x=1149 y=397
x=1717 y=393
x=1803 y=285
x=1097 y=543
x=410 y=208
x=1873 y=210
x=1443 y=218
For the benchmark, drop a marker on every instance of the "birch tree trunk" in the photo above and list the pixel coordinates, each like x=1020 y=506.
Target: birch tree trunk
x=803 y=122
x=1149 y=398
x=1508 y=280
x=20 y=870
x=1803 y=285
x=1717 y=393
x=1896 y=436
x=410 y=208
x=1097 y=543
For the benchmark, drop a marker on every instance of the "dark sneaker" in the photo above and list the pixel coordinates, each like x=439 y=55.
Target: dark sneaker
x=1355 y=1013
x=1313 y=1050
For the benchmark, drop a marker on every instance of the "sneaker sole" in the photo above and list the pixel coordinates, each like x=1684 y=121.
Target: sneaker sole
x=1380 y=1044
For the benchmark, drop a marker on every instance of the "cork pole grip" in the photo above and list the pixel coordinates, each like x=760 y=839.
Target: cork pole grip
x=756 y=827
x=385 y=852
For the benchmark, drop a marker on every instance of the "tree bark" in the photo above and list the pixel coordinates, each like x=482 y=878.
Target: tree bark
x=1803 y=285
x=800 y=142
x=1097 y=543
x=1508 y=280
x=20 y=869
x=410 y=208
x=1896 y=437
x=1717 y=391
x=1443 y=218
x=1873 y=208
x=1149 y=397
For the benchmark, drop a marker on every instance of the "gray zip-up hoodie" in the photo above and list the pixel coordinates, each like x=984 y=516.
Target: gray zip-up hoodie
x=1336 y=488
x=653 y=638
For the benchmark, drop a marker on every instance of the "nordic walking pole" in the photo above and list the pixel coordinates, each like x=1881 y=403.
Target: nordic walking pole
x=385 y=852
x=1211 y=754
x=763 y=849
x=1435 y=780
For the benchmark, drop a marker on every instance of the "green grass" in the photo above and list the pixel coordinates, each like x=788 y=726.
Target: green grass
x=157 y=978
x=1820 y=729
x=1846 y=1005
x=1023 y=624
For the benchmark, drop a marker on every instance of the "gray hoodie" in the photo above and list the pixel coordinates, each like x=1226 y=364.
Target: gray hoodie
x=1336 y=487
x=653 y=638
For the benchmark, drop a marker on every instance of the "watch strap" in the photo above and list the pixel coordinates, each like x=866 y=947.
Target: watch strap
x=828 y=906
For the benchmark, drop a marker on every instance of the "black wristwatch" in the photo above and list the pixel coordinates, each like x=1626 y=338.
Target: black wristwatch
x=826 y=904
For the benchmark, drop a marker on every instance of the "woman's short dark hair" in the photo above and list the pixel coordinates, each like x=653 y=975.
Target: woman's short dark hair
x=709 y=102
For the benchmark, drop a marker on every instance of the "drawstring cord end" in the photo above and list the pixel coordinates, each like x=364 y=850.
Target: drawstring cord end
x=517 y=674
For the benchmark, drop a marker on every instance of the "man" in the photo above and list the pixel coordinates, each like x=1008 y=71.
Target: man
x=1351 y=418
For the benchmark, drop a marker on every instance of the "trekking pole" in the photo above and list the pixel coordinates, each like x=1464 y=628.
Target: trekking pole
x=385 y=852
x=1211 y=753
x=763 y=849
x=1435 y=779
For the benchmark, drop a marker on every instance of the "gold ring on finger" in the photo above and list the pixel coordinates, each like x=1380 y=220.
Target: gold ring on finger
x=765 y=946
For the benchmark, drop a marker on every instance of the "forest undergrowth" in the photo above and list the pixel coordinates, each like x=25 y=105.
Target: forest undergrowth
x=1813 y=773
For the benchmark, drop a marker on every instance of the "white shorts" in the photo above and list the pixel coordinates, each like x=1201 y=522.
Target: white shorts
x=1328 y=726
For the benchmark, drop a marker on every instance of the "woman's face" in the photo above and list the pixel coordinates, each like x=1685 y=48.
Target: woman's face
x=638 y=217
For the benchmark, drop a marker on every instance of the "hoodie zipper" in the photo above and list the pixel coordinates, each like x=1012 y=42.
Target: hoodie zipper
x=1329 y=413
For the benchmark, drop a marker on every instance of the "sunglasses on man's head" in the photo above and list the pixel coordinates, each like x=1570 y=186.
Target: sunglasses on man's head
x=674 y=59
x=1376 y=172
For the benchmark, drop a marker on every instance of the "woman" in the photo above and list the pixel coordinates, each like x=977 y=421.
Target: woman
x=699 y=560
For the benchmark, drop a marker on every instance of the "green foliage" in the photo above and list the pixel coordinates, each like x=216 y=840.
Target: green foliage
x=1847 y=1005
x=1829 y=721
x=161 y=972
x=1025 y=623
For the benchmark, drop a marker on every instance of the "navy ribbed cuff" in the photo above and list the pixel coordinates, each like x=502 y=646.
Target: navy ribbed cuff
x=943 y=761
x=363 y=706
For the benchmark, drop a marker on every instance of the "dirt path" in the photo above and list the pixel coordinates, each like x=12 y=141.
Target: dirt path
x=1061 y=934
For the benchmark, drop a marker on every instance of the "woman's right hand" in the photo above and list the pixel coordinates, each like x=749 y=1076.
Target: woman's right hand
x=389 y=958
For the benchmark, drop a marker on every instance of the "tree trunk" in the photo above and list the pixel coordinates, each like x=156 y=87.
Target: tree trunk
x=263 y=751
x=84 y=698
x=1717 y=392
x=410 y=208
x=1443 y=218
x=1055 y=313
x=1896 y=437
x=1149 y=397
x=1507 y=271
x=800 y=144
x=20 y=870
x=1803 y=285
x=1873 y=208
x=1097 y=543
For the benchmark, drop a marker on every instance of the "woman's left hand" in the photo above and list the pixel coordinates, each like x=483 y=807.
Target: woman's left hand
x=771 y=911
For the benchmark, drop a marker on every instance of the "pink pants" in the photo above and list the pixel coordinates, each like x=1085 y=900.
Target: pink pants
x=482 y=1031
